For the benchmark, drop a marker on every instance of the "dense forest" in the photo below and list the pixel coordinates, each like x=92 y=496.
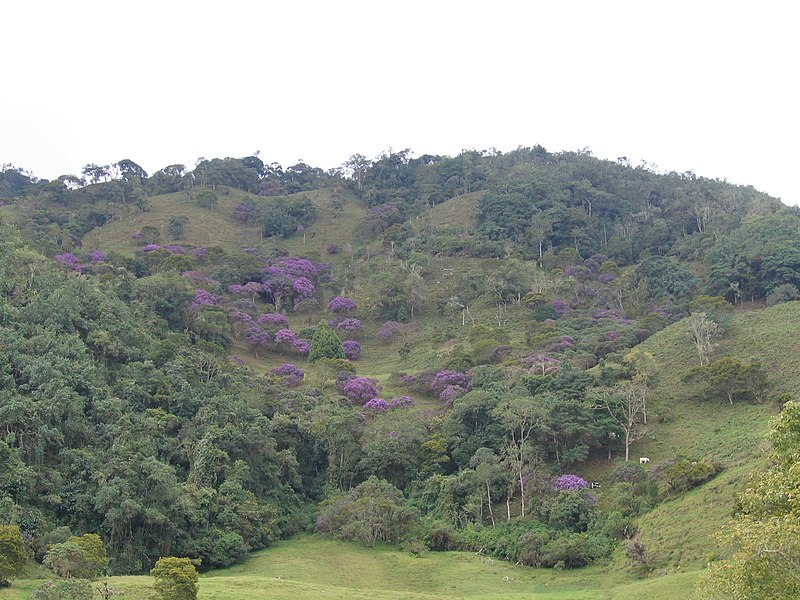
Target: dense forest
x=423 y=351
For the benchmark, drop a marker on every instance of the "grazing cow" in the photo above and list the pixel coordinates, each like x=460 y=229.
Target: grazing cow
x=643 y=460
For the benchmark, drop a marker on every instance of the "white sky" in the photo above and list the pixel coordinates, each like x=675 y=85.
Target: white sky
x=704 y=86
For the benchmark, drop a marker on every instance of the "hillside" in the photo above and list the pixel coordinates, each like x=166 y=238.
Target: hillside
x=202 y=363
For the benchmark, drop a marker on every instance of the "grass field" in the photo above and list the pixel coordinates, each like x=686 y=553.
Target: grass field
x=309 y=567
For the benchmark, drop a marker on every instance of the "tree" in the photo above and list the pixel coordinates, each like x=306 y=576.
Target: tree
x=521 y=417
x=731 y=378
x=626 y=404
x=12 y=553
x=176 y=578
x=702 y=332
x=130 y=171
x=325 y=343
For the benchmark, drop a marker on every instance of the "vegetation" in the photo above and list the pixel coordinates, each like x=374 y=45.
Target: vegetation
x=201 y=362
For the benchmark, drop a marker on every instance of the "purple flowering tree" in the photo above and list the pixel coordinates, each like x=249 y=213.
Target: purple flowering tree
x=205 y=298
x=286 y=338
x=349 y=327
x=69 y=260
x=291 y=375
x=377 y=404
x=402 y=402
x=352 y=349
x=360 y=390
x=273 y=321
x=389 y=331
x=442 y=379
x=569 y=483
x=341 y=305
x=257 y=337
x=561 y=307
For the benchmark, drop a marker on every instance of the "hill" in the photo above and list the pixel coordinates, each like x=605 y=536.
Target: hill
x=502 y=315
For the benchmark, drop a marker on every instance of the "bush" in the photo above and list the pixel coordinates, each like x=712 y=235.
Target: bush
x=686 y=474
x=176 y=578
x=374 y=511
x=12 y=553
x=71 y=589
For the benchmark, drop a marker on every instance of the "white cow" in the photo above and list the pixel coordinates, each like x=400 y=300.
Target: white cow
x=644 y=460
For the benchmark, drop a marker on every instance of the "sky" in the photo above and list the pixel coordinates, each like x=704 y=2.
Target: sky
x=708 y=87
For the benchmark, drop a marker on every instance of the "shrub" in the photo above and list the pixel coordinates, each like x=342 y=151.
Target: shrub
x=176 y=578
x=12 y=553
x=71 y=589
x=325 y=343
x=374 y=511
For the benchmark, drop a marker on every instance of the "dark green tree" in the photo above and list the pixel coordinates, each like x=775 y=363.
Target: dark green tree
x=325 y=343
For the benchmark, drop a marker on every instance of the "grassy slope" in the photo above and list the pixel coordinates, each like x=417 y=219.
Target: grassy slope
x=309 y=567
x=677 y=533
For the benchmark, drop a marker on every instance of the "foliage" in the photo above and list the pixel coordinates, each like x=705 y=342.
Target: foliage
x=175 y=578
x=74 y=589
x=325 y=343
x=374 y=511
x=13 y=555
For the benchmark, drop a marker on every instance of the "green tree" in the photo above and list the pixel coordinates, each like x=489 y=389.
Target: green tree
x=176 y=578
x=325 y=343
x=730 y=378
x=12 y=553
x=177 y=225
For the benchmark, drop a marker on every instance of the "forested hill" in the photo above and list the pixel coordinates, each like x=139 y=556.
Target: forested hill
x=196 y=362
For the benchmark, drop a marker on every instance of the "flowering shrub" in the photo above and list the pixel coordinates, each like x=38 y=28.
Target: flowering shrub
x=205 y=298
x=333 y=249
x=174 y=249
x=257 y=337
x=561 y=307
x=402 y=402
x=352 y=349
x=287 y=370
x=303 y=287
x=69 y=260
x=341 y=304
x=273 y=320
x=200 y=252
x=569 y=482
x=360 y=389
x=378 y=404
x=450 y=393
x=97 y=256
x=137 y=236
x=349 y=326
x=286 y=336
x=301 y=347
x=443 y=379
x=606 y=278
x=389 y=330
x=150 y=247
x=408 y=380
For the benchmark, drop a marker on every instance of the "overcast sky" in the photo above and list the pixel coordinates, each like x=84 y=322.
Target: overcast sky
x=709 y=87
